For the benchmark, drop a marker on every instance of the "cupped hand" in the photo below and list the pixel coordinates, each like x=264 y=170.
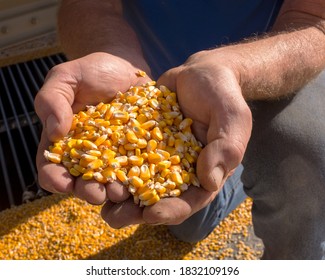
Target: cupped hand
x=209 y=92
x=67 y=89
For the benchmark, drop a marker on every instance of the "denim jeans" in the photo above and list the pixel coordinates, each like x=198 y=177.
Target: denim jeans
x=284 y=173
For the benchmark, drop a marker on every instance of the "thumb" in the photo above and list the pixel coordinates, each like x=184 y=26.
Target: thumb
x=53 y=103
x=211 y=169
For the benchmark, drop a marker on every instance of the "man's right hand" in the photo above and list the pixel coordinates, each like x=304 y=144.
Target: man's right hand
x=68 y=88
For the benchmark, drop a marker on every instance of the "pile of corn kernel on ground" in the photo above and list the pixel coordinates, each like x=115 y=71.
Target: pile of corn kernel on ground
x=61 y=227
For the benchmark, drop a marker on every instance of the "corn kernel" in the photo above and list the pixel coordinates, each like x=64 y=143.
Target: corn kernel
x=156 y=134
x=53 y=157
x=74 y=172
x=136 y=160
x=122 y=177
x=145 y=172
x=136 y=181
x=134 y=171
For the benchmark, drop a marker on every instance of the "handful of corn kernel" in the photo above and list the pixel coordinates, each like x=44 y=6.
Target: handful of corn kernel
x=140 y=138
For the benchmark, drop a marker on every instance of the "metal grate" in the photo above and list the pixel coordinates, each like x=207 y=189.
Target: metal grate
x=20 y=129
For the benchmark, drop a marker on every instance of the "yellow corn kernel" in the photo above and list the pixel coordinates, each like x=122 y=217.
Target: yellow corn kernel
x=113 y=163
x=175 y=192
x=159 y=179
x=56 y=150
x=157 y=134
x=137 y=152
x=169 y=185
x=121 y=115
x=88 y=175
x=151 y=201
x=162 y=124
x=176 y=168
x=136 y=182
x=106 y=144
x=149 y=194
x=103 y=109
x=165 y=155
x=142 y=143
x=109 y=113
x=148 y=124
x=130 y=146
x=141 y=101
x=145 y=172
x=95 y=153
x=187 y=122
x=89 y=145
x=79 y=168
x=185 y=163
x=170 y=115
x=97 y=163
x=164 y=173
x=176 y=178
x=116 y=122
x=131 y=137
x=122 y=150
x=141 y=118
x=134 y=171
x=152 y=145
x=100 y=140
x=179 y=145
x=165 y=164
x=53 y=157
x=74 y=172
x=109 y=174
x=171 y=141
x=123 y=160
x=95 y=114
x=170 y=150
x=194 y=180
x=153 y=169
x=100 y=178
x=178 y=120
x=139 y=131
x=132 y=99
x=108 y=154
x=175 y=159
x=135 y=160
x=153 y=103
x=72 y=143
x=122 y=176
x=186 y=177
x=160 y=188
x=141 y=73
x=154 y=157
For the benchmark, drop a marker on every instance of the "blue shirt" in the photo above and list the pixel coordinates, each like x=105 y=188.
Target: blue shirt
x=171 y=30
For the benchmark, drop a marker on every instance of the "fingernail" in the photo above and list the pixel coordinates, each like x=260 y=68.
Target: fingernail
x=51 y=125
x=218 y=174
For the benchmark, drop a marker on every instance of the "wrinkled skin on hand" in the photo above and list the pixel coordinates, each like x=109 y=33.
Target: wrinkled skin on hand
x=207 y=93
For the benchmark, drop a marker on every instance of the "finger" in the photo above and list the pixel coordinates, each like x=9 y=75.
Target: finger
x=91 y=191
x=52 y=177
x=227 y=138
x=122 y=214
x=175 y=210
x=117 y=192
x=53 y=101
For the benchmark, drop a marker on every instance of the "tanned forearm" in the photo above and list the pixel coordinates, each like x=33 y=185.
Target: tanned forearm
x=288 y=58
x=87 y=26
